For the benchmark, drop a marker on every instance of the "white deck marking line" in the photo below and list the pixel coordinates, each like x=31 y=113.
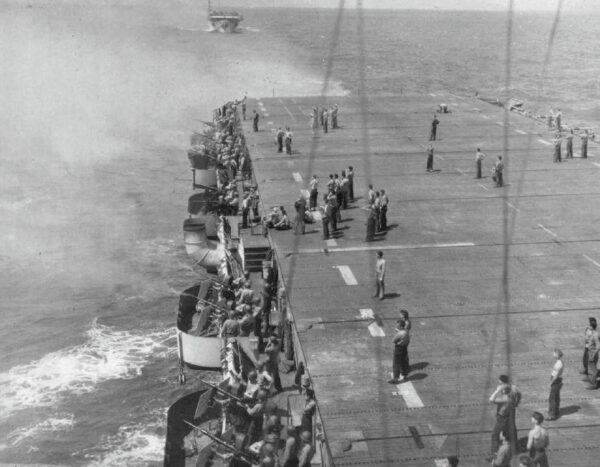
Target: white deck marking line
x=317 y=215
x=409 y=394
x=441 y=462
x=596 y=164
x=440 y=157
x=289 y=113
x=543 y=141
x=390 y=247
x=376 y=330
x=461 y=172
x=261 y=104
x=592 y=261
x=366 y=313
x=441 y=438
x=297 y=177
x=547 y=230
x=483 y=186
x=347 y=275
x=270 y=123
x=432 y=94
x=476 y=109
x=454 y=103
x=331 y=242
x=265 y=114
x=500 y=123
x=486 y=117
x=521 y=132
x=511 y=206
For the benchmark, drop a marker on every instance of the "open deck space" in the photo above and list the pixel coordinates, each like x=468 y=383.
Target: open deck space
x=444 y=251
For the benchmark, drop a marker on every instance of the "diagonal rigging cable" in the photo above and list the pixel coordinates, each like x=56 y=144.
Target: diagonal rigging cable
x=509 y=218
x=314 y=143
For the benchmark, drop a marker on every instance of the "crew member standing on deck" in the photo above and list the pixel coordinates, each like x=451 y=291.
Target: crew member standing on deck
x=584 y=143
x=350 y=175
x=569 y=149
x=593 y=344
x=255 y=120
x=244 y=107
x=326 y=214
x=537 y=441
x=430 y=157
x=379 y=276
x=314 y=192
x=557 y=144
x=499 y=172
x=384 y=201
x=325 y=120
x=558 y=119
x=479 y=161
x=300 y=206
x=400 y=341
x=555 y=386
x=435 y=122
x=334 y=117
x=288 y=140
x=280 y=135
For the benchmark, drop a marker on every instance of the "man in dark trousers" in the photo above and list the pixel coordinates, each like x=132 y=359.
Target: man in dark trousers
x=569 y=149
x=401 y=341
x=300 y=206
x=479 y=161
x=430 y=157
x=272 y=350
x=584 y=143
x=435 y=122
x=255 y=120
x=499 y=172
x=557 y=145
x=555 y=386
x=280 y=134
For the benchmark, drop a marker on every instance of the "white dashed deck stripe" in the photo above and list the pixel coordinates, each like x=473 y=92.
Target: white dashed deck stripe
x=409 y=394
x=486 y=117
x=500 y=123
x=347 y=275
x=366 y=313
x=543 y=141
x=596 y=164
x=511 y=206
x=331 y=242
x=547 y=230
x=297 y=177
x=290 y=113
x=521 y=132
x=376 y=330
x=483 y=186
x=592 y=261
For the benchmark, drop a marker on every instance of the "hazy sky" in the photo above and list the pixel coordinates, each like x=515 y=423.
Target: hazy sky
x=544 y=5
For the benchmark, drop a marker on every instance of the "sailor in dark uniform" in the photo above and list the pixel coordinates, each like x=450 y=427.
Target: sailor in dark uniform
x=435 y=122
x=255 y=121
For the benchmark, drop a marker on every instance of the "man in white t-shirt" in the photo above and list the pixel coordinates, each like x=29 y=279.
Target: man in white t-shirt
x=555 y=385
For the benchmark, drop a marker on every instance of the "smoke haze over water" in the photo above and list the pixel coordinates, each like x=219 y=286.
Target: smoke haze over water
x=98 y=101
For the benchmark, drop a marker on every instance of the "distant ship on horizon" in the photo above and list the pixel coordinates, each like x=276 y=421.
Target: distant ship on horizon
x=225 y=21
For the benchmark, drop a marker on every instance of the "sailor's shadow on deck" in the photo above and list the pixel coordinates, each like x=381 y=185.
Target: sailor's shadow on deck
x=419 y=366
x=569 y=410
x=416 y=376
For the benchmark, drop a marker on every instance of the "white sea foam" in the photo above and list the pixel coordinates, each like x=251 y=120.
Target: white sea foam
x=60 y=422
x=108 y=353
x=135 y=444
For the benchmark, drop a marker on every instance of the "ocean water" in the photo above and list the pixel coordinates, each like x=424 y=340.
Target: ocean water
x=98 y=100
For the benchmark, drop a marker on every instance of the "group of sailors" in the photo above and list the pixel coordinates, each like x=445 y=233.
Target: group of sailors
x=324 y=117
x=257 y=427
